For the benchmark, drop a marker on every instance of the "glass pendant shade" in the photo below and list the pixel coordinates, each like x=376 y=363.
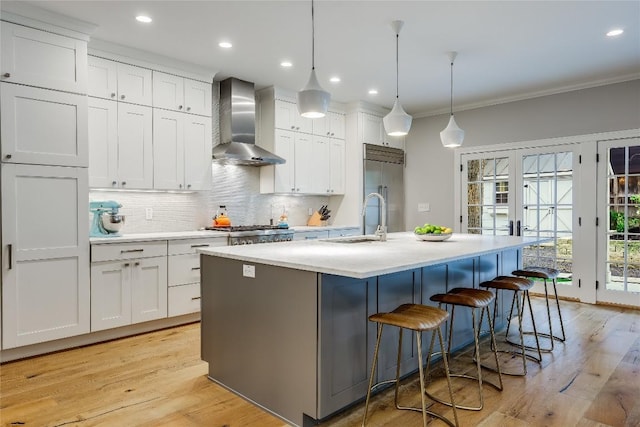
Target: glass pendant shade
x=313 y=101
x=397 y=122
x=452 y=136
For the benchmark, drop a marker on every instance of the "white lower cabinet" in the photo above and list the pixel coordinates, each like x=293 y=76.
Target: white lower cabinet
x=184 y=273
x=128 y=283
x=45 y=260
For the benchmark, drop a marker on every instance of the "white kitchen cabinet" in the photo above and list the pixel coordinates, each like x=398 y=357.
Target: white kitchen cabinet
x=331 y=125
x=181 y=94
x=294 y=176
x=337 y=166
x=317 y=166
x=371 y=131
x=184 y=274
x=121 y=145
x=288 y=117
x=128 y=283
x=39 y=58
x=181 y=151
x=43 y=127
x=311 y=235
x=118 y=81
x=45 y=258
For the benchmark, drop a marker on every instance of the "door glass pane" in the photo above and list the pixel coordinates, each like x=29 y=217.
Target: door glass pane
x=547 y=210
x=488 y=196
x=623 y=229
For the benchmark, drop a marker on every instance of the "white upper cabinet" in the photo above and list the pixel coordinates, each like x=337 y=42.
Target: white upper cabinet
x=331 y=125
x=181 y=151
x=103 y=143
x=38 y=58
x=43 y=127
x=287 y=117
x=371 y=131
x=123 y=82
x=181 y=94
x=337 y=166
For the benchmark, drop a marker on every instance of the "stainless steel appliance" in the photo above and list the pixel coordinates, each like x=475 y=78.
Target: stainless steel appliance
x=250 y=234
x=384 y=174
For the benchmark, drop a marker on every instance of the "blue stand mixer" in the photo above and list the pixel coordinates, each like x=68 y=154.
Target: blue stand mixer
x=106 y=220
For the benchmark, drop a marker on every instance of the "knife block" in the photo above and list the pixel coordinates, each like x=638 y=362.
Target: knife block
x=315 y=220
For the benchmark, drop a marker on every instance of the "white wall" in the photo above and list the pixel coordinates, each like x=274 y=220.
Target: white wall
x=430 y=169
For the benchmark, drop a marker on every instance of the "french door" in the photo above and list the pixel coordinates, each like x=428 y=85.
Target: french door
x=619 y=204
x=527 y=192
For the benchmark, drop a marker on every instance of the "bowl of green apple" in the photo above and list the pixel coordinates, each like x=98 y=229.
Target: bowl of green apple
x=432 y=233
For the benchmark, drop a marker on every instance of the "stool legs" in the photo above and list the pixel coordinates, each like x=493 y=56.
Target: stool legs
x=421 y=373
x=523 y=347
x=550 y=335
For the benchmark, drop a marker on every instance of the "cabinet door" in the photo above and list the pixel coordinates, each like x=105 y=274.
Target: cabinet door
x=321 y=126
x=168 y=91
x=135 y=155
x=103 y=78
x=134 y=84
x=337 y=167
x=103 y=143
x=371 y=129
x=45 y=274
x=197 y=97
x=284 y=174
x=148 y=289
x=168 y=154
x=319 y=166
x=197 y=152
x=304 y=163
x=285 y=115
x=43 y=127
x=38 y=58
x=336 y=123
x=110 y=295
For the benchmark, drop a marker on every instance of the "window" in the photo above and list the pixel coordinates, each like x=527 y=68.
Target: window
x=502 y=192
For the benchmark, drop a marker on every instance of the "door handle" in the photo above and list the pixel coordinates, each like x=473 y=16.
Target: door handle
x=511 y=228
x=10 y=248
x=518 y=228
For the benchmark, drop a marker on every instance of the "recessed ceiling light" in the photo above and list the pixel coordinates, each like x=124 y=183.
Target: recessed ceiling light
x=143 y=18
x=286 y=64
x=373 y=91
x=615 y=32
x=334 y=79
x=225 y=45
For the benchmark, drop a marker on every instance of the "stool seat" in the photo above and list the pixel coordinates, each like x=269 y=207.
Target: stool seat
x=539 y=272
x=509 y=283
x=412 y=316
x=476 y=298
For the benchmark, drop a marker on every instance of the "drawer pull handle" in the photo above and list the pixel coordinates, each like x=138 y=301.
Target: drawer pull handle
x=126 y=264
x=195 y=298
x=203 y=245
x=195 y=268
x=10 y=247
x=6 y=75
x=126 y=251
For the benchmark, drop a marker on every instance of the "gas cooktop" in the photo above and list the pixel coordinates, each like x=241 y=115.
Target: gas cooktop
x=234 y=228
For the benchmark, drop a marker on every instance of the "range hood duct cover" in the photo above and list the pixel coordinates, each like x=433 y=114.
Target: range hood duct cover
x=238 y=127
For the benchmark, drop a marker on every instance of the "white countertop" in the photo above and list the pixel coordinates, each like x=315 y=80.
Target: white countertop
x=166 y=235
x=401 y=251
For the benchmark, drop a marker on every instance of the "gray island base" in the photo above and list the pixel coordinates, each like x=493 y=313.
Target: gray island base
x=286 y=325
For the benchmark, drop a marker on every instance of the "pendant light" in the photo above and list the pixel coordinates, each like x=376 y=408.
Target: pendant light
x=313 y=101
x=397 y=122
x=452 y=135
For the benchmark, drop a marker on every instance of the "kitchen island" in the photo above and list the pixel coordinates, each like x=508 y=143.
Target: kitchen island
x=286 y=325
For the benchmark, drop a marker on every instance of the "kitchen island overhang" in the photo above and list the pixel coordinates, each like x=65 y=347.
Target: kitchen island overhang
x=286 y=325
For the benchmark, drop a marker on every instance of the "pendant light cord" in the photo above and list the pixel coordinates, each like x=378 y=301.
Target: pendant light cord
x=313 y=40
x=397 y=68
x=451 y=97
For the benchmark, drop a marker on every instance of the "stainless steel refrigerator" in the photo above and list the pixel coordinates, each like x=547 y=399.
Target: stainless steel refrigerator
x=384 y=174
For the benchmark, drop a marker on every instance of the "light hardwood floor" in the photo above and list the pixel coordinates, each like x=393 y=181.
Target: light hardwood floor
x=158 y=379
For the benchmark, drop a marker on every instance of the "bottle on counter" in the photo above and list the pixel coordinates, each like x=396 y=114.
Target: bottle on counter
x=283 y=221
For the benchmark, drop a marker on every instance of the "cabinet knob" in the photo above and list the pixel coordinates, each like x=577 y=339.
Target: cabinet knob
x=124 y=182
x=188 y=108
x=328 y=133
x=297 y=189
x=332 y=134
x=136 y=264
x=6 y=75
x=113 y=94
x=179 y=185
x=188 y=185
x=293 y=189
x=179 y=107
x=114 y=183
x=293 y=127
x=8 y=156
x=122 y=97
x=126 y=264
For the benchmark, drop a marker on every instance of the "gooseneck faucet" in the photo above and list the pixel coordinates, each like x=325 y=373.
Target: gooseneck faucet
x=381 y=231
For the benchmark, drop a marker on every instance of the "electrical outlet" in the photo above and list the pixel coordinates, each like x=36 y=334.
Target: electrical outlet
x=424 y=207
x=148 y=214
x=249 y=270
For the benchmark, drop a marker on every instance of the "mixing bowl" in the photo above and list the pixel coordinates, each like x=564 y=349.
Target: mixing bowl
x=112 y=222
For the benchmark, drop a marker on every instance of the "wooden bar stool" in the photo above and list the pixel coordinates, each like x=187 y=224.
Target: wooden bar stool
x=418 y=318
x=518 y=285
x=546 y=274
x=474 y=299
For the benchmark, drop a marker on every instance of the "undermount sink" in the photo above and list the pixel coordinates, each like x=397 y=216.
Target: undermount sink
x=353 y=239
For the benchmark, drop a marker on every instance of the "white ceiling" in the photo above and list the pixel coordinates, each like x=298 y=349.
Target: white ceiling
x=506 y=49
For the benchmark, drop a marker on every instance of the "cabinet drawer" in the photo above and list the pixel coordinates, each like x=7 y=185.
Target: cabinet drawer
x=184 y=299
x=184 y=269
x=118 y=251
x=343 y=232
x=189 y=246
x=310 y=235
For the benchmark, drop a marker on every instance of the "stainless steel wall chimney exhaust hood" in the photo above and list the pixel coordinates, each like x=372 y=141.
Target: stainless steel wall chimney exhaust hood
x=238 y=127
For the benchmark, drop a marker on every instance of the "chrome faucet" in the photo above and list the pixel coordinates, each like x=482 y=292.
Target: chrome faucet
x=381 y=231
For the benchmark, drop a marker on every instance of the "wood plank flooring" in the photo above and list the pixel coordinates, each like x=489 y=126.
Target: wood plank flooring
x=158 y=379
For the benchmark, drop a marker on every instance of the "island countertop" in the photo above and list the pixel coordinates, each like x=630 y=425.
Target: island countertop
x=401 y=251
